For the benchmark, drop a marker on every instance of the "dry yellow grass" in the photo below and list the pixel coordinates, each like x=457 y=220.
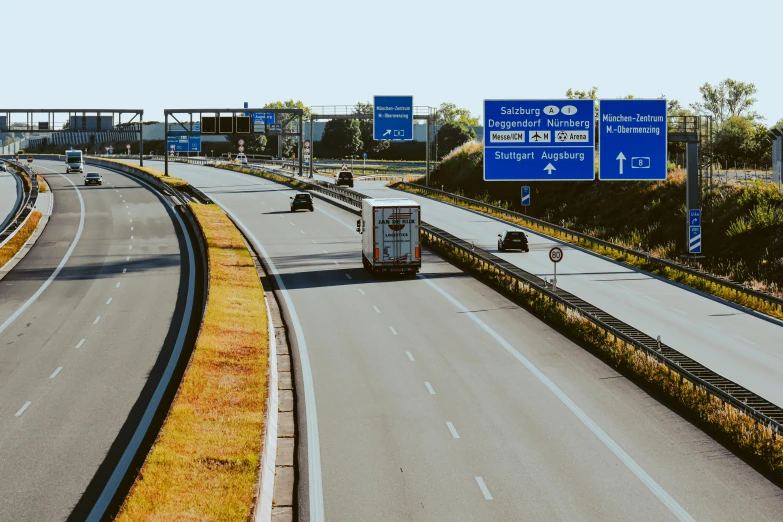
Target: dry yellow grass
x=10 y=249
x=172 y=181
x=41 y=184
x=205 y=463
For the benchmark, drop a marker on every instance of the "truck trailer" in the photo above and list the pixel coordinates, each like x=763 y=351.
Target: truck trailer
x=390 y=235
x=74 y=161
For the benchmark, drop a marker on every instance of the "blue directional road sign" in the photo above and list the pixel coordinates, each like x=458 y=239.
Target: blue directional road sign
x=694 y=240
x=184 y=140
x=267 y=118
x=526 y=196
x=539 y=140
x=632 y=140
x=364 y=155
x=392 y=118
x=694 y=217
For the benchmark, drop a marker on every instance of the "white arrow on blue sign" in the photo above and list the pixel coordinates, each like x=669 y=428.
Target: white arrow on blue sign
x=694 y=217
x=694 y=240
x=526 y=196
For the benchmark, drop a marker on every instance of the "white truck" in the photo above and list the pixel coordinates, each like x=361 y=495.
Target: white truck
x=390 y=235
x=74 y=161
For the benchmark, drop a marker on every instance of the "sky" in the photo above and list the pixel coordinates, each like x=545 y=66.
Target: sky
x=187 y=54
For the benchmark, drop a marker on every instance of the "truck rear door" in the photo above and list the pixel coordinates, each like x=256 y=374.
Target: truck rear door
x=399 y=235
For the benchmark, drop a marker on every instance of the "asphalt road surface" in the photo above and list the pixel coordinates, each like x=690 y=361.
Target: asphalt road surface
x=84 y=318
x=438 y=399
x=742 y=346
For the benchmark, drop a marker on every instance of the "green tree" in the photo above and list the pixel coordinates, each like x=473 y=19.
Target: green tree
x=342 y=136
x=370 y=145
x=450 y=113
x=740 y=139
x=290 y=104
x=728 y=98
x=591 y=94
x=779 y=124
x=452 y=135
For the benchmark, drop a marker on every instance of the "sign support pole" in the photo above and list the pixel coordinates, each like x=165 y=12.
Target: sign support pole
x=554 y=281
x=141 y=140
x=166 y=144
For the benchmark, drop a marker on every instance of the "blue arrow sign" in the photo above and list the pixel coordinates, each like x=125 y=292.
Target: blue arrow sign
x=539 y=140
x=526 y=196
x=694 y=240
x=694 y=219
x=632 y=140
x=392 y=118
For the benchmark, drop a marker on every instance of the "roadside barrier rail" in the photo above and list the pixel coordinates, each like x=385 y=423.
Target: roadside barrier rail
x=25 y=207
x=769 y=299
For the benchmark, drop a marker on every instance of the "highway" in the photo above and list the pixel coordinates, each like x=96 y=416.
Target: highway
x=8 y=193
x=738 y=344
x=435 y=398
x=87 y=319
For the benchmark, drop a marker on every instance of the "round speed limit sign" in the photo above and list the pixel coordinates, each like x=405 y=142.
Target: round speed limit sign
x=556 y=255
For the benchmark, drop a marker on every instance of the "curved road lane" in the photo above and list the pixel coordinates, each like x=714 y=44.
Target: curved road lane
x=78 y=345
x=438 y=399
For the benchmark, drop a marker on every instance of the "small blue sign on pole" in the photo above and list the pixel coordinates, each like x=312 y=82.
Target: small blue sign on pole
x=539 y=140
x=694 y=217
x=364 y=155
x=694 y=240
x=526 y=196
x=632 y=140
x=392 y=118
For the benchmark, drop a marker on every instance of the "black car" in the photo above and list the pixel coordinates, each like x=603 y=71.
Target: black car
x=302 y=200
x=344 y=178
x=513 y=239
x=93 y=178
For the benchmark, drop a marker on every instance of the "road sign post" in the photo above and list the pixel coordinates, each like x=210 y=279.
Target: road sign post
x=694 y=240
x=525 y=197
x=555 y=255
x=632 y=140
x=539 y=140
x=392 y=118
x=29 y=159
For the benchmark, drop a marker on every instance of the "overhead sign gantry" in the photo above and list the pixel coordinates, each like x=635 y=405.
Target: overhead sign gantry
x=187 y=135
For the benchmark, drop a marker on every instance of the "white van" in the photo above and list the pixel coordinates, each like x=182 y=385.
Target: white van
x=74 y=161
x=241 y=158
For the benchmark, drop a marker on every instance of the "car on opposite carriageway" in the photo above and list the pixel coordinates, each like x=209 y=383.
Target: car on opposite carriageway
x=93 y=178
x=513 y=239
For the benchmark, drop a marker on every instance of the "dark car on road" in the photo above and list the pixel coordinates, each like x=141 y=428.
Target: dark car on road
x=513 y=239
x=302 y=200
x=93 y=178
x=344 y=178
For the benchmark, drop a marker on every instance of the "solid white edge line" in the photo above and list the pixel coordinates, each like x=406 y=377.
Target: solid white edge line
x=53 y=375
x=483 y=488
x=429 y=387
x=21 y=410
x=313 y=443
x=452 y=429
x=60 y=266
x=110 y=488
x=676 y=509
x=269 y=453
x=410 y=356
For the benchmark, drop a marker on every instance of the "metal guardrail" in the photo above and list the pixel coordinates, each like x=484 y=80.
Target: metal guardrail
x=25 y=208
x=768 y=298
x=702 y=377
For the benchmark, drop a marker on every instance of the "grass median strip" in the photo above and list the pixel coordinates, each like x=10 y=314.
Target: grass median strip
x=693 y=281
x=172 y=181
x=738 y=431
x=16 y=243
x=205 y=462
